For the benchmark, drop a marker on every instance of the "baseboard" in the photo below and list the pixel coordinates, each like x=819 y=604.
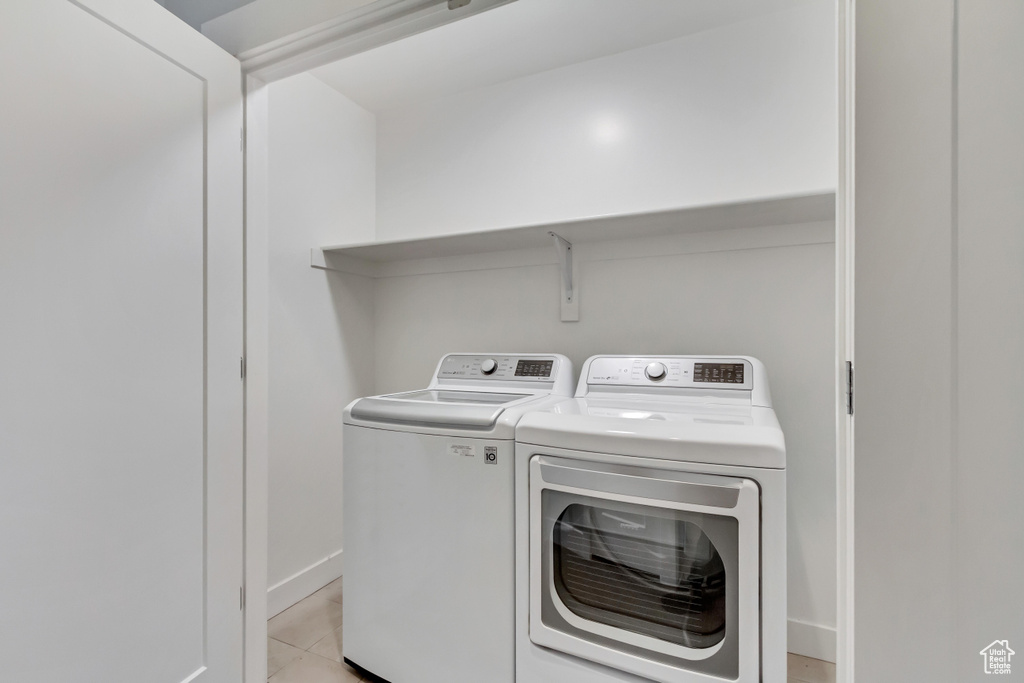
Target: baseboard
x=283 y=595
x=811 y=640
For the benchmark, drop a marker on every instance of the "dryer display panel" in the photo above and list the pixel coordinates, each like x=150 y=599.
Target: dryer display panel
x=672 y=371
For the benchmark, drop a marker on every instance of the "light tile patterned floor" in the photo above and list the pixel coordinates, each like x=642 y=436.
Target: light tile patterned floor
x=304 y=641
x=304 y=646
x=807 y=670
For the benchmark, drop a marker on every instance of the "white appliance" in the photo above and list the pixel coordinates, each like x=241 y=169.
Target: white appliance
x=428 y=519
x=651 y=526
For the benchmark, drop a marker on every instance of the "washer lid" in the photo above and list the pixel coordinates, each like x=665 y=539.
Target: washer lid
x=472 y=409
x=471 y=394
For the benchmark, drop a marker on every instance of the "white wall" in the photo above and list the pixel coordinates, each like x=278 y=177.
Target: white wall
x=903 y=581
x=773 y=303
x=745 y=111
x=989 y=309
x=939 y=546
x=750 y=114
x=321 y=161
x=735 y=113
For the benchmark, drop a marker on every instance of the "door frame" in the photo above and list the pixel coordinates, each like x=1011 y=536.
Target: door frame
x=845 y=109
x=256 y=270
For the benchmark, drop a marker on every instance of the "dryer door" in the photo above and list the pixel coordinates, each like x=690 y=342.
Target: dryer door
x=645 y=570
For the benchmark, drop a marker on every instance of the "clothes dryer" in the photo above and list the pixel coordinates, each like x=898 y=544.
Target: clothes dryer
x=429 y=519
x=651 y=526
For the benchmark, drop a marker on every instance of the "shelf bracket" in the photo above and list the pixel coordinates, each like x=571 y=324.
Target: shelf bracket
x=570 y=298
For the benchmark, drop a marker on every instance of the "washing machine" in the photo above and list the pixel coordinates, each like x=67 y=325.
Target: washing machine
x=428 y=526
x=651 y=526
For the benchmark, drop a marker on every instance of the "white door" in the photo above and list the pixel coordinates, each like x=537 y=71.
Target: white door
x=120 y=343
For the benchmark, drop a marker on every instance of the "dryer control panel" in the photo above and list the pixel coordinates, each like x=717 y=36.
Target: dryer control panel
x=497 y=367
x=672 y=371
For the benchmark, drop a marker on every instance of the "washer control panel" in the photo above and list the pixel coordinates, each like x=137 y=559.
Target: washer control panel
x=690 y=372
x=532 y=368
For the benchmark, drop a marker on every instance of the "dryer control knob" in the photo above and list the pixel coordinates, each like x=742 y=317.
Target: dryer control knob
x=656 y=371
x=488 y=366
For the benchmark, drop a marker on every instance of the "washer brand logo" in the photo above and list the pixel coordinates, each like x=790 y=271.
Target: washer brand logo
x=997 y=657
x=491 y=455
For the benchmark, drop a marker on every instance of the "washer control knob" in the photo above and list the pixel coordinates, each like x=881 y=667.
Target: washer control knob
x=656 y=371
x=488 y=366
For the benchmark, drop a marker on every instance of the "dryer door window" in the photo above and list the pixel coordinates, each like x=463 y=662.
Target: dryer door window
x=648 y=571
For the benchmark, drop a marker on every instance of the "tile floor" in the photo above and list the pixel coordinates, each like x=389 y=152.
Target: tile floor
x=304 y=641
x=304 y=646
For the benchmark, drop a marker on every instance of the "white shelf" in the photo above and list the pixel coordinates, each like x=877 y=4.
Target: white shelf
x=533 y=244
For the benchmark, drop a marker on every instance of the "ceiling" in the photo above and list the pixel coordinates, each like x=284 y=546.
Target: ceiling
x=523 y=38
x=196 y=12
